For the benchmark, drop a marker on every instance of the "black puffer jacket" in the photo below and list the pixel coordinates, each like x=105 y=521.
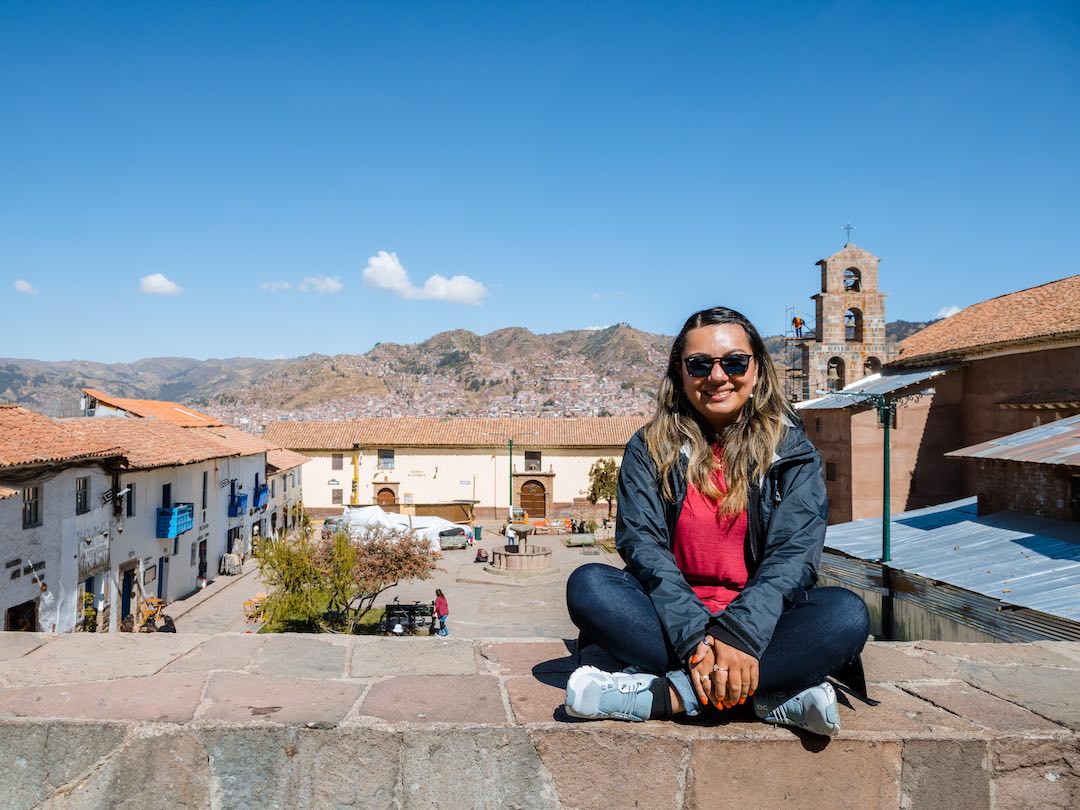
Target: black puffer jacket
x=787 y=515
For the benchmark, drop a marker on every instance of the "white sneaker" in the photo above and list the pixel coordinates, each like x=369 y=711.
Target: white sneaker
x=593 y=694
x=812 y=710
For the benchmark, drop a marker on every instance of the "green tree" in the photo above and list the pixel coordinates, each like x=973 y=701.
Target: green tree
x=318 y=585
x=603 y=482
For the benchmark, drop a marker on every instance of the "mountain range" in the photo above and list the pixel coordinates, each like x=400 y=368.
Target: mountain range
x=508 y=372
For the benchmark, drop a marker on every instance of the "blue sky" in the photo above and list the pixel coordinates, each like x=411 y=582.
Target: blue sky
x=274 y=179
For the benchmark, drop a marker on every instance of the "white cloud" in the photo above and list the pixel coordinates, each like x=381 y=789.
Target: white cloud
x=945 y=312
x=384 y=271
x=325 y=285
x=25 y=287
x=157 y=284
x=275 y=286
x=595 y=328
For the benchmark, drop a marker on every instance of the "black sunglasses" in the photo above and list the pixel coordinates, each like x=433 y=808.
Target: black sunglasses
x=701 y=365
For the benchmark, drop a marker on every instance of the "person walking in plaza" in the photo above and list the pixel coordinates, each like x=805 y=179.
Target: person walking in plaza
x=721 y=524
x=442 y=610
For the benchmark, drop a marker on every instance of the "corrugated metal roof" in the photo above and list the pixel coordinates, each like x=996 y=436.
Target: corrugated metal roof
x=1018 y=559
x=1052 y=443
x=874 y=384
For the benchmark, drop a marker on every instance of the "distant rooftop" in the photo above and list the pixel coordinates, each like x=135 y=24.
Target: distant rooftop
x=152 y=443
x=598 y=431
x=1049 y=311
x=159 y=409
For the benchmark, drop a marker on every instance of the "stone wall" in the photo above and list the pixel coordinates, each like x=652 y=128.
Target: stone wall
x=1034 y=489
x=240 y=721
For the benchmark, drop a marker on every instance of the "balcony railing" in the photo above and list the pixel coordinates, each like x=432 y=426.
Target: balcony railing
x=238 y=505
x=176 y=520
x=262 y=496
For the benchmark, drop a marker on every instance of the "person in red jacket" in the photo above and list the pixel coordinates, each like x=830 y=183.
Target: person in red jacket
x=442 y=610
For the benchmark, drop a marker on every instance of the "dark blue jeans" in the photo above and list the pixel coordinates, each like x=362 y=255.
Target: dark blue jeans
x=820 y=634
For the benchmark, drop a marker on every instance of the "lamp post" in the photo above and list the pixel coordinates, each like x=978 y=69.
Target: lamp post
x=886 y=414
x=510 y=464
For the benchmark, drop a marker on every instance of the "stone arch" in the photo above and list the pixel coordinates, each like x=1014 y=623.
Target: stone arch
x=871 y=365
x=853 y=325
x=853 y=280
x=834 y=374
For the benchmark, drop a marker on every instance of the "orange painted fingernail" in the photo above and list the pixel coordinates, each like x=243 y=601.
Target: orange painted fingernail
x=696 y=659
x=742 y=701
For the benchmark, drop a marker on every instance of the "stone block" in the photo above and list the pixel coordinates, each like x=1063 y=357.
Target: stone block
x=292 y=655
x=522 y=658
x=81 y=657
x=836 y=773
x=980 y=707
x=889 y=663
x=418 y=655
x=164 y=698
x=73 y=748
x=1036 y=655
x=481 y=768
x=533 y=701
x=153 y=771
x=1029 y=772
x=604 y=767
x=287 y=768
x=16 y=645
x=947 y=774
x=901 y=715
x=1047 y=691
x=292 y=701
x=439 y=698
x=225 y=652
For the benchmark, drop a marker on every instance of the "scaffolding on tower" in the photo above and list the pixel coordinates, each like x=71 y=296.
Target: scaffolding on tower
x=800 y=330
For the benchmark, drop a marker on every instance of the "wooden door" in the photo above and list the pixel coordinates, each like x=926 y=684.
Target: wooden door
x=385 y=497
x=533 y=499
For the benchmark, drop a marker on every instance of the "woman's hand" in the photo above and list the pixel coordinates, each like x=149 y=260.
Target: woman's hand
x=701 y=670
x=734 y=676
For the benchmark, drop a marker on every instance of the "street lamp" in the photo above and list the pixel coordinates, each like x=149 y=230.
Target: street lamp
x=886 y=413
x=510 y=463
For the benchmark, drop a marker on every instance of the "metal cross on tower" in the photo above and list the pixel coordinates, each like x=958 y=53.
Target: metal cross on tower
x=849 y=228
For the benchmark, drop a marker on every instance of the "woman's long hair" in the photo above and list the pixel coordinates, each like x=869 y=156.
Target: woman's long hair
x=749 y=443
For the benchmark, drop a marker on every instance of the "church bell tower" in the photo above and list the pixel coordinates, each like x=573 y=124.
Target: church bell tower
x=849 y=333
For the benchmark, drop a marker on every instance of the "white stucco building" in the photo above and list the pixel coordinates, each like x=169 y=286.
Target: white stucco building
x=428 y=461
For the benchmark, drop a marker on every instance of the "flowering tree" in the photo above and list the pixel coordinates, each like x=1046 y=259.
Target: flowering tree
x=329 y=585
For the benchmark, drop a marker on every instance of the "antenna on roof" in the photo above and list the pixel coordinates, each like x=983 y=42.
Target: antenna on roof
x=849 y=228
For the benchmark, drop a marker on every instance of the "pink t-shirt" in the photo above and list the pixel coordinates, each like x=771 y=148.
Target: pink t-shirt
x=710 y=549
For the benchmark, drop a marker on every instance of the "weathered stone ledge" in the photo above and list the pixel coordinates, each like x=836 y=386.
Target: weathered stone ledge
x=331 y=721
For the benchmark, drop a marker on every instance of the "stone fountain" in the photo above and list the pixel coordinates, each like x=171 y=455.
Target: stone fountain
x=522 y=557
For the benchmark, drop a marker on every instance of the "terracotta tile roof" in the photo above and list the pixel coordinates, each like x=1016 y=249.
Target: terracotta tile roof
x=30 y=438
x=150 y=443
x=281 y=460
x=240 y=441
x=1038 y=313
x=600 y=431
x=7 y=492
x=168 y=411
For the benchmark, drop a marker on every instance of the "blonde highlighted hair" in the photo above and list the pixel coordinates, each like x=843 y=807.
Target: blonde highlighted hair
x=749 y=443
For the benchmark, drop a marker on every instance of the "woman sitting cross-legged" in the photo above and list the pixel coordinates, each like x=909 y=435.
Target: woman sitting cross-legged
x=721 y=523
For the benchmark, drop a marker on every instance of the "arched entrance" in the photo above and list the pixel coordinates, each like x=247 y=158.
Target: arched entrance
x=834 y=375
x=533 y=499
x=385 y=497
